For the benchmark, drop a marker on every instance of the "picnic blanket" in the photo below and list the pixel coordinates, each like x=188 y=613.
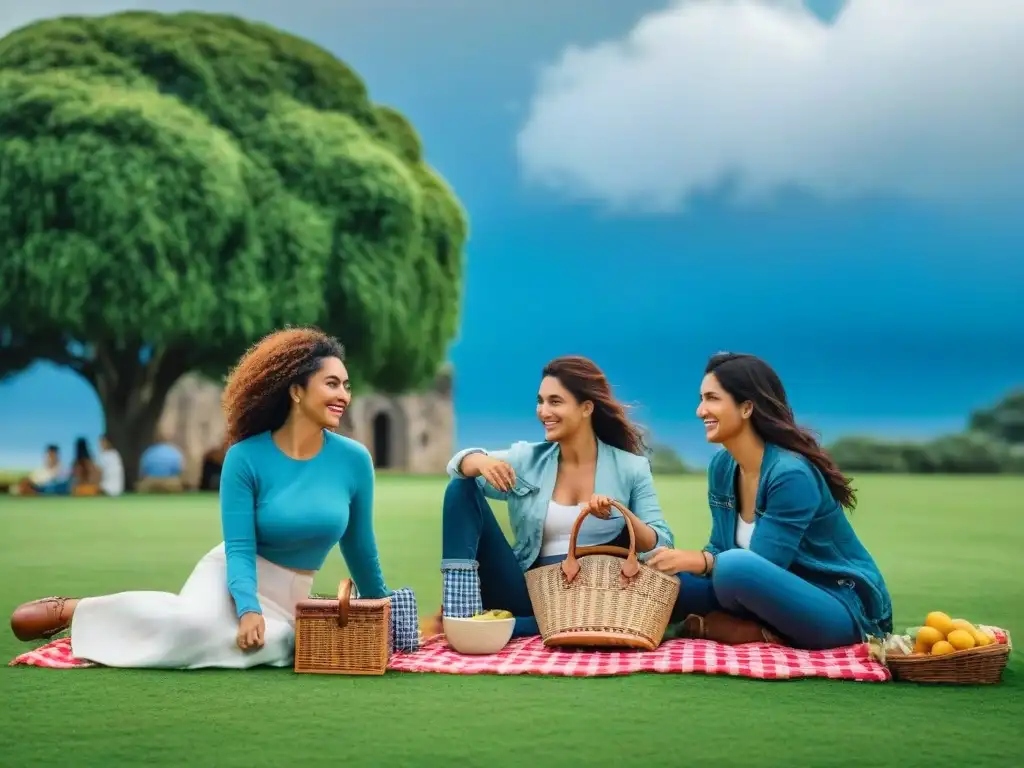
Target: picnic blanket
x=528 y=656
x=762 y=661
x=56 y=654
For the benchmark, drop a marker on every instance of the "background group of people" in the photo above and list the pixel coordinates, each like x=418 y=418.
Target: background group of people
x=161 y=468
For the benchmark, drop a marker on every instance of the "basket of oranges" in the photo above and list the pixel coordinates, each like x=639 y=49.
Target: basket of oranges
x=947 y=650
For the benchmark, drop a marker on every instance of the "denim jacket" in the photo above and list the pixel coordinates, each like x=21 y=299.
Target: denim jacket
x=620 y=475
x=802 y=528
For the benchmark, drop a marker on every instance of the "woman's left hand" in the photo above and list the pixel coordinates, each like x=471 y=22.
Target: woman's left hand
x=599 y=506
x=670 y=561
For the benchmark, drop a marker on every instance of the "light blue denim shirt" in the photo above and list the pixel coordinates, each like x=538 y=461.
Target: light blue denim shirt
x=620 y=475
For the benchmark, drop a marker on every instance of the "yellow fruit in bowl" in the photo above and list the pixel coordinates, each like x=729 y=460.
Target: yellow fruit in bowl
x=940 y=621
x=983 y=638
x=929 y=636
x=961 y=639
x=941 y=648
x=493 y=614
x=919 y=648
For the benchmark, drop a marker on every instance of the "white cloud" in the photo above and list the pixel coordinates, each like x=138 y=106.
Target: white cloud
x=922 y=99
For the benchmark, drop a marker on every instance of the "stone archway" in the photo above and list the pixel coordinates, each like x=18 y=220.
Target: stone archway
x=382 y=435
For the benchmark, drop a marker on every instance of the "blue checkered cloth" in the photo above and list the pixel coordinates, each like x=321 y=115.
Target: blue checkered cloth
x=461 y=590
x=405 y=621
x=404 y=632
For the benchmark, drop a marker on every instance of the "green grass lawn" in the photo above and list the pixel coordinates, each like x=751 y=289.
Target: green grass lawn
x=951 y=544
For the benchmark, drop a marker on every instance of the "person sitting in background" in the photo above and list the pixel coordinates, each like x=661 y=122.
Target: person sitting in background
x=111 y=468
x=50 y=479
x=160 y=468
x=85 y=473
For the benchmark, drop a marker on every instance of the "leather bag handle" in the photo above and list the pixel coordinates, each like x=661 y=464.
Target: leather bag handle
x=344 y=598
x=630 y=566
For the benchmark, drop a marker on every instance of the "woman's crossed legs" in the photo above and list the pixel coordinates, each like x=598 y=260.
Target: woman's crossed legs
x=746 y=593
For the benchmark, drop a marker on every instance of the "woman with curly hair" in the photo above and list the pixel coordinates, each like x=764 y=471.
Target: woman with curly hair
x=291 y=489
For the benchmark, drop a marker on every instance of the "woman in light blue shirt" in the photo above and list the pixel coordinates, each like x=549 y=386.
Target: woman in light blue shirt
x=591 y=453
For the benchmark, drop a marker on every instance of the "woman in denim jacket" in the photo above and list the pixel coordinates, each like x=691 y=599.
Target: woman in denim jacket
x=591 y=453
x=783 y=563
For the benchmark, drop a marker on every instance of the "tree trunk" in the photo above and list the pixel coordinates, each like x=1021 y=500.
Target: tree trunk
x=130 y=435
x=133 y=394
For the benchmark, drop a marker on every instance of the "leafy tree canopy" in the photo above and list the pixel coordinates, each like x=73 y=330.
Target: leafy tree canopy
x=174 y=186
x=1004 y=420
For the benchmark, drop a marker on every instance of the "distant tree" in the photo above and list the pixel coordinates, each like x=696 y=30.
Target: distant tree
x=174 y=186
x=969 y=452
x=665 y=461
x=1003 y=421
x=868 y=454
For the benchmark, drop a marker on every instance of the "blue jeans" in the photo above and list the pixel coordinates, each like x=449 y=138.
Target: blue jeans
x=469 y=531
x=745 y=584
x=54 y=488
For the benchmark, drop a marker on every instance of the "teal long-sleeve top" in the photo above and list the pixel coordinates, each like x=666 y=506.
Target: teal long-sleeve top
x=292 y=512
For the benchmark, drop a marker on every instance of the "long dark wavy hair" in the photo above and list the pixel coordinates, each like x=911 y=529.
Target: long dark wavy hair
x=585 y=381
x=749 y=378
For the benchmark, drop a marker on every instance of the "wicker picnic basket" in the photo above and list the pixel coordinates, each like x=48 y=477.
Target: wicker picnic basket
x=983 y=665
x=342 y=636
x=602 y=596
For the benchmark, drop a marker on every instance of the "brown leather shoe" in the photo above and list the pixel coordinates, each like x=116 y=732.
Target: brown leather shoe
x=725 y=628
x=43 y=618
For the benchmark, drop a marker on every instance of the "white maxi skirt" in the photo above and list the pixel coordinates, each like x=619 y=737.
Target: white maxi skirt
x=193 y=629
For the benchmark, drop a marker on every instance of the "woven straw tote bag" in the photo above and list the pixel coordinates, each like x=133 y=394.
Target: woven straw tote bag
x=602 y=597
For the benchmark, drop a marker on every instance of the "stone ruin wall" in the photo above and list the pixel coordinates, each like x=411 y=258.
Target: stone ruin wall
x=412 y=433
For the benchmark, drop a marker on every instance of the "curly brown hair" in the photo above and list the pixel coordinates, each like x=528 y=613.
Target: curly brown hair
x=255 y=397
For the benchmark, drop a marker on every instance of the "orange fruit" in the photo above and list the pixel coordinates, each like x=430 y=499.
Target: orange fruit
x=929 y=636
x=940 y=621
x=961 y=639
x=941 y=648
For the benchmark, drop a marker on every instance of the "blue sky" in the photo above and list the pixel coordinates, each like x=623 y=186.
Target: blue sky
x=650 y=182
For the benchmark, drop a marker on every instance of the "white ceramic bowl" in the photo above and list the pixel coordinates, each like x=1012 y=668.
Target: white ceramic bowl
x=478 y=637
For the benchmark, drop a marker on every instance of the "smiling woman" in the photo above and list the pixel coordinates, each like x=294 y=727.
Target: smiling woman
x=291 y=489
x=591 y=454
x=783 y=563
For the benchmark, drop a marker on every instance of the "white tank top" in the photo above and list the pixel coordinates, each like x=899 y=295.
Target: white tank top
x=744 y=532
x=558 y=528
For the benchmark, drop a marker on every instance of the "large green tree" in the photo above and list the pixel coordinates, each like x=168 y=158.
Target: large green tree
x=174 y=186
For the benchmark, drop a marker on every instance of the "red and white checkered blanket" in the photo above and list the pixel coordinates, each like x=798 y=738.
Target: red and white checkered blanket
x=528 y=656
x=56 y=654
